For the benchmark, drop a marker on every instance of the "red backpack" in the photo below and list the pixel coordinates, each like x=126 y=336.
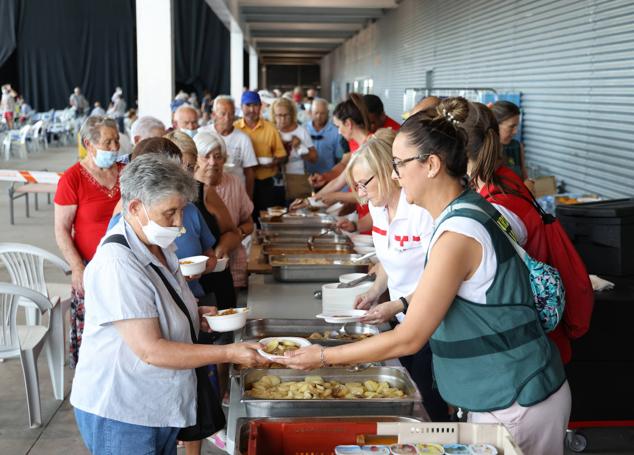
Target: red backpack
x=563 y=255
x=556 y=249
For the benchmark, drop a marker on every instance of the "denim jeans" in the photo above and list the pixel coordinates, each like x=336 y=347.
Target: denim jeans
x=104 y=436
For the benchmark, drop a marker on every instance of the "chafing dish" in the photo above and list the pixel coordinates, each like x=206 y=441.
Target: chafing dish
x=299 y=223
x=256 y=329
x=276 y=249
x=396 y=376
x=316 y=267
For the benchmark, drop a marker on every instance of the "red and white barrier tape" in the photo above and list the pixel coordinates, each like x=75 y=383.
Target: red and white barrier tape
x=10 y=175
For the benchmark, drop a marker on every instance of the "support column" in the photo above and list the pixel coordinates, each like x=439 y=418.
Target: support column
x=263 y=78
x=237 y=61
x=253 y=69
x=155 y=58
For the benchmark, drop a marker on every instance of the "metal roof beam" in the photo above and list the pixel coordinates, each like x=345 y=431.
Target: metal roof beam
x=339 y=4
x=257 y=34
x=313 y=26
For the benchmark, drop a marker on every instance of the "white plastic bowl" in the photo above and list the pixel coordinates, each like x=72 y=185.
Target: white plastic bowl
x=334 y=299
x=342 y=316
x=315 y=203
x=266 y=160
x=362 y=239
x=228 y=323
x=348 y=277
x=301 y=342
x=194 y=265
x=221 y=265
x=362 y=249
x=334 y=208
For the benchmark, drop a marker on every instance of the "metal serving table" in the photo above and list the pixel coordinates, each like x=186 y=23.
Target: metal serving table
x=268 y=298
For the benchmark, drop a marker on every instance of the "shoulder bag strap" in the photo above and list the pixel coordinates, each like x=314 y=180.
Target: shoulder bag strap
x=121 y=240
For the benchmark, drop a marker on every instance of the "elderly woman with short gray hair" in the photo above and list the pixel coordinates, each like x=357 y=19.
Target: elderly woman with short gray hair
x=135 y=384
x=86 y=195
x=212 y=156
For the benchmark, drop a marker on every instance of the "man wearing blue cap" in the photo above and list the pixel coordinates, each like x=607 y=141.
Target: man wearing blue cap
x=269 y=150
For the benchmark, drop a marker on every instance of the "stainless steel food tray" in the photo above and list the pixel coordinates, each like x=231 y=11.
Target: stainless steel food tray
x=256 y=329
x=297 y=268
x=303 y=238
x=275 y=249
x=243 y=433
x=396 y=376
x=315 y=222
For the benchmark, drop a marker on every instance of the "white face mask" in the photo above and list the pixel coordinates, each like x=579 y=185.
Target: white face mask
x=160 y=235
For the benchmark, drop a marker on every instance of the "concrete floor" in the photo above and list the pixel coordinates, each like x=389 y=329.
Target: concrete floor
x=58 y=434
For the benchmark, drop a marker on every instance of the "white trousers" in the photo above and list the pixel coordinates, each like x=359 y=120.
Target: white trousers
x=539 y=429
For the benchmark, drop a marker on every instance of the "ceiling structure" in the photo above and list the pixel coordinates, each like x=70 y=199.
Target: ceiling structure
x=301 y=32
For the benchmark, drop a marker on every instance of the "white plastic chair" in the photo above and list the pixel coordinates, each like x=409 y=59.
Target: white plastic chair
x=25 y=265
x=25 y=342
x=18 y=138
x=38 y=136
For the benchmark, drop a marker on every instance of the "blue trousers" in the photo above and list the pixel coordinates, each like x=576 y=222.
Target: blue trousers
x=104 y=436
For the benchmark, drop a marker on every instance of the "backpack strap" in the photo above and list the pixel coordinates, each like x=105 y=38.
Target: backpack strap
x=547 y=218
x=500 y=221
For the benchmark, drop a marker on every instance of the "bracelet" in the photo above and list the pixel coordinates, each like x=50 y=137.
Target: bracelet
x=405 y=304
x=321 y=357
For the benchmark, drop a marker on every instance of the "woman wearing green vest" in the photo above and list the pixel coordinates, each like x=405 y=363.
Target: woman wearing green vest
x=473 y=303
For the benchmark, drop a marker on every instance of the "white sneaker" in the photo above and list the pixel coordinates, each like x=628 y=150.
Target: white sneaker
x=219 y=439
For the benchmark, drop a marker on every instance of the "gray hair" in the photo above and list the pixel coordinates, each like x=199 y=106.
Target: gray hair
x=185 y=107
x=208 y=141
x=91 y=129
x=143 y=127
x=223 y=99
x=151 y=178
x=320 y=100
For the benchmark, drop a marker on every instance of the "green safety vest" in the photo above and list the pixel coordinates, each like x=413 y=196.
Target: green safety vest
x=487 y=356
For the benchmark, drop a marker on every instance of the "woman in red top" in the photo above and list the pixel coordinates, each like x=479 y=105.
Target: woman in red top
x=86 y=195
x=501 y=186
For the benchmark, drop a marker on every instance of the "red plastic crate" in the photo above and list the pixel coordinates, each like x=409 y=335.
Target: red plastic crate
x=304 y=437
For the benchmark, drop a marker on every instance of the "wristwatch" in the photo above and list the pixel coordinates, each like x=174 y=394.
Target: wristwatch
x=405 y=304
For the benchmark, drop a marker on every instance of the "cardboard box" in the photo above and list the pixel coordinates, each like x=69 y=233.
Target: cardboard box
x=544 y=186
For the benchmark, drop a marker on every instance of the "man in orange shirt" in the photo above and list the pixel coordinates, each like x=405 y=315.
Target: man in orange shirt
x=269 y=151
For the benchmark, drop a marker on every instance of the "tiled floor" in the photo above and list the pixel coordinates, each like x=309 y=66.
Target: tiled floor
x=58 y=435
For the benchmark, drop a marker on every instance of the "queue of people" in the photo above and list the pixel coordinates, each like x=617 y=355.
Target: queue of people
x=460 y=301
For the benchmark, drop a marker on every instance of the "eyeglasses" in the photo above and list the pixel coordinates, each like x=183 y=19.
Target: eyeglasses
x=363 y=186
x=214 y=157
x=397 y=163
x=316 y=137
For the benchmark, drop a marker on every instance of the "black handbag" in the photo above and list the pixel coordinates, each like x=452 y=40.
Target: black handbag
x=209 y=416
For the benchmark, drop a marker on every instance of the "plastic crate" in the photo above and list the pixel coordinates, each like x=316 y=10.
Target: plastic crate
x=450 y=433
x=320 y=436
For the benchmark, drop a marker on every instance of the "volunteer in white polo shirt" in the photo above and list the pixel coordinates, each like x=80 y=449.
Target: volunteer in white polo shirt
x=401 y=234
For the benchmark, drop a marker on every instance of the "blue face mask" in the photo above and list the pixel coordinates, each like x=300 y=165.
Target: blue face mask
x=104 y=159
x=190 y=133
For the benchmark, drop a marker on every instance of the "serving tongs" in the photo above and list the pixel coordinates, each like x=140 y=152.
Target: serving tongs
x=312 y=238
x=364 y=257
x=353 y=283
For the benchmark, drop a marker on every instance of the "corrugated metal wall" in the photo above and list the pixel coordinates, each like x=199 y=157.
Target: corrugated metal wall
x=573 y=62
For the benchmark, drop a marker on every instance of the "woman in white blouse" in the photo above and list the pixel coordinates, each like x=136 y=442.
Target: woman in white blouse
x=135 y=384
